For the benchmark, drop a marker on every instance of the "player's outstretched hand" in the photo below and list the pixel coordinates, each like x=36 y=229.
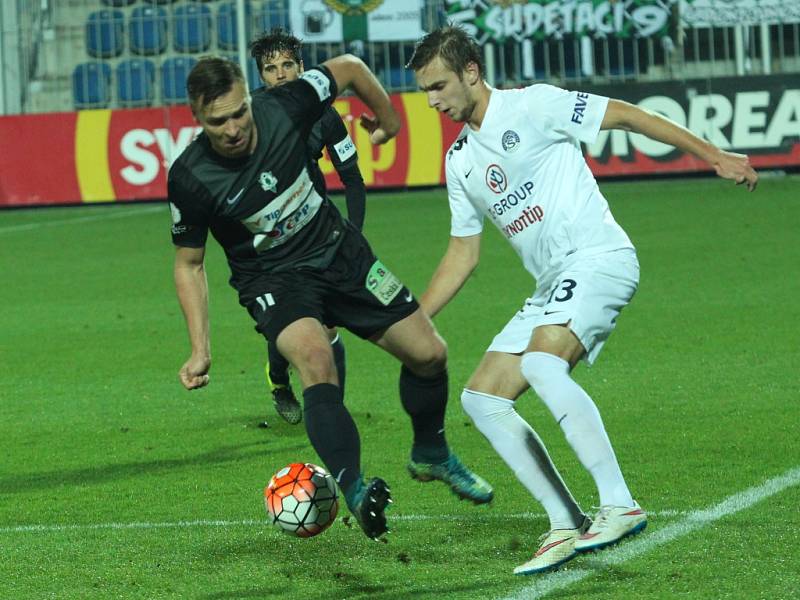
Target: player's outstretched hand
x=194 y=372
x=377 y=134
x=737 y=167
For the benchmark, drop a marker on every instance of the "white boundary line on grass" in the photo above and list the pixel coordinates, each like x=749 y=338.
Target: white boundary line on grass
x=42 y=528
x=83 y=219
x=693 y=521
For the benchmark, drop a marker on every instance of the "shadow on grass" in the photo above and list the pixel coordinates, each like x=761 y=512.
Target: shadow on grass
x=21 y=483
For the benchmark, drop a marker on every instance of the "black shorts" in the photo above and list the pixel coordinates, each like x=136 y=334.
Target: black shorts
x=355 y=291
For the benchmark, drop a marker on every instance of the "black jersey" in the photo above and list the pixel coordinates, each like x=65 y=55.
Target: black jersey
x=330 y=132
x=268 y=210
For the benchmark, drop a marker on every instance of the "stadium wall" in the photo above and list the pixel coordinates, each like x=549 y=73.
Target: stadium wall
x=123 y=155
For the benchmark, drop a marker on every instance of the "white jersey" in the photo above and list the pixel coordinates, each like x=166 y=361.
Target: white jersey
x=524 y=170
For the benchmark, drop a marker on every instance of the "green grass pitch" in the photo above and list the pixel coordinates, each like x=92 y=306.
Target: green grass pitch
x=117 y=483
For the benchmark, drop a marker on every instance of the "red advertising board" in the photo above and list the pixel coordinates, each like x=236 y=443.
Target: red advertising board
x=123 y=155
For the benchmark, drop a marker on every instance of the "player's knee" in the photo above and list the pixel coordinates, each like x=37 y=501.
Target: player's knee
x=429 y=359
x=314 y=364
x=473 y=404
x=485 y=409
x=541 y=370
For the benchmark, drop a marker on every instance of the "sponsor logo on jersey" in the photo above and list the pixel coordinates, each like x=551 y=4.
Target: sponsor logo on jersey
x=175 y=212
x=320 y=83
x=345 y=148
x=285 y=215
x=383 y=284
x=580 y=107
x=512 y=199
x=268 y=181
x=496 y=179
x=529 y=216
x=510 y=141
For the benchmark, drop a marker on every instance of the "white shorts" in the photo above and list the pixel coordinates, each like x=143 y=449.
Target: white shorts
x=588 y=294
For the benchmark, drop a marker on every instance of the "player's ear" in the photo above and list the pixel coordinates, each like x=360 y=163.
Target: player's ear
x=300 y=67
x=472 y=74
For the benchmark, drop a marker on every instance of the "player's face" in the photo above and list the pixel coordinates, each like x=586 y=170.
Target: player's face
x=228 y=123
x=447 y=92
x=280 y=68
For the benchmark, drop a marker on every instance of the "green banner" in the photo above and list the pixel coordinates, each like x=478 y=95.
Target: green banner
x=543 y=19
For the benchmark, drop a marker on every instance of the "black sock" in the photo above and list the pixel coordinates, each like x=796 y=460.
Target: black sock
x=332 y=433
x=278 y=365
x=425 y=400
x=339 y=360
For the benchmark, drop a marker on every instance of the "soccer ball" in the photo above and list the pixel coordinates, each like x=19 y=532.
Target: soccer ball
x=302 y=499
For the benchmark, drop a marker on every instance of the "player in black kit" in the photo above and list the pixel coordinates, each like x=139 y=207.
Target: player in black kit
x=297 y=265
x=277 y=54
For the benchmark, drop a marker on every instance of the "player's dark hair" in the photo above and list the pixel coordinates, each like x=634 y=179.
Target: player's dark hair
x=276 y=41
x=452 y=44
x=211 y=78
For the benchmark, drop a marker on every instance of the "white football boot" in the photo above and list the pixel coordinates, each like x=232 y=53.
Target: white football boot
x=612 y=524
x=557 y=546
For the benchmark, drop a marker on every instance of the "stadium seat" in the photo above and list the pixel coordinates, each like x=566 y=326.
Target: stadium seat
x=191 y=30
x=118 y=2
x=105 y=33
x=274 y=13
x=91 y=85
x=226 y=26
x=148 y=27
x=174 y=72
x=401 y=78
x=135 y=82
x=253 y=76
x=621 y=57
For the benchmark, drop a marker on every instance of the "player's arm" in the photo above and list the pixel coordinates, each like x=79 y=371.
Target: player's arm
x=457 y=264
x=729 y=165
x=345 y=160
x=192 y=290
x=350 y=72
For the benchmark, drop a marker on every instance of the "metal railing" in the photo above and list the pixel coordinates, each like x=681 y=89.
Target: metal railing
x=43 y=42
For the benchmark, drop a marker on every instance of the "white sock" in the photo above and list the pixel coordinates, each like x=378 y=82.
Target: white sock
x=522 y=450
x=580 y=421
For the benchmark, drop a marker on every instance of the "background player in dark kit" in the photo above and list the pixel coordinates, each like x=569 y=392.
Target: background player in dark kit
x=279 y=60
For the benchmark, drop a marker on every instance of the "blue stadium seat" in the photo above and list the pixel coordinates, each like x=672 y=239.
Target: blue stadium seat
x=253 y=76
x=191 y=31
x=274 y=13
x=105 y=33
x=226 y=25
x=148 y=27
x=118 y=2
x=401 y=78
x=135 y=82
x=174 y=72
x=91 y=85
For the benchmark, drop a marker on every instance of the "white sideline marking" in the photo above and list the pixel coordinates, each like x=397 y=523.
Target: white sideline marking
x=42 y=528
x=693 y=521
x=98 y=217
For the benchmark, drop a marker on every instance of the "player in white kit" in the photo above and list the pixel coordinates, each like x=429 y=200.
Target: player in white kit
x=518 y=162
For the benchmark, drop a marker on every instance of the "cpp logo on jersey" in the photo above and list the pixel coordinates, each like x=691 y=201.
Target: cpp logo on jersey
x=510 y=141
x=496 y=179
x=268 y=181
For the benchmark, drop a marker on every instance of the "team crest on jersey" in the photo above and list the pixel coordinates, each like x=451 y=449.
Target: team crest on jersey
x=510 y=141
x=268 y=181
x=496 y=179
